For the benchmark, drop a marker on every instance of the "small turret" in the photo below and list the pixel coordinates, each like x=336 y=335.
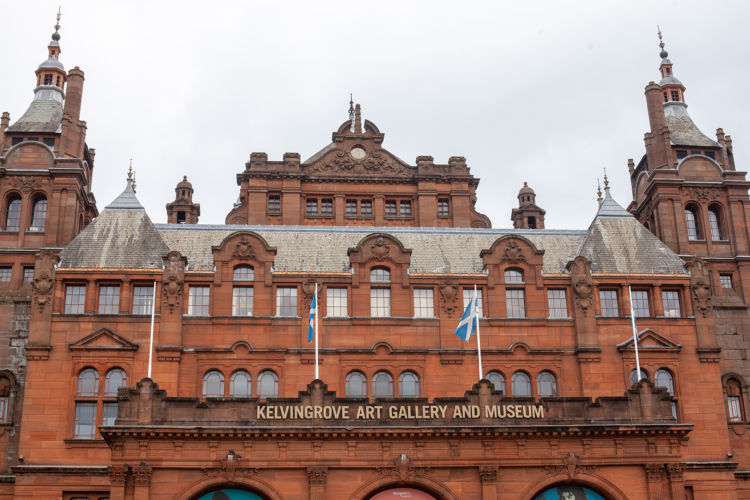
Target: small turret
x=528 y=215
x=182 y=210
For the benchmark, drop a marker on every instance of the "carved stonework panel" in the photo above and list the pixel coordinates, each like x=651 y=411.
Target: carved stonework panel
x=142 y=474
x=44 y=278
x=317 y=475
x=173 y=279
x=704 y=195
x=700 y=287
x=379 y=249
x=26 y=183
x=449 y=301
x=403 y=468
x=488 y=473
x=513 y=253
x=655 y=472
x=244 y=249
x=375 y=163
x=583 y=289
x=117 y=474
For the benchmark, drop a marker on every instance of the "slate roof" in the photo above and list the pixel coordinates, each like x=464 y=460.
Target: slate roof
x=43 y=115
x=682 y=130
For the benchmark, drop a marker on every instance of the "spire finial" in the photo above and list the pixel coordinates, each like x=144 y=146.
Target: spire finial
x=606 y=181
x=131 y=175
x=598 y=191
x=663 y=54
x=56 y=35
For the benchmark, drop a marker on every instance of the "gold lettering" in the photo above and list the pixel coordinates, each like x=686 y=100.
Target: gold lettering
x=392 y=412
x=308 y=412
x=434 y=412
x=443 y=409
x=402 y=412
x=519 y=411
x=378 y=410
x=491 y=411
x=262 y=412
x=360 y=412
x=511 y=411
x=457 y=412
x=370 y=412
x=474 y=411
x=345 y=412
x=327 y=412
x=538 y=411
x=285 y=411
x=318 y=411
x=527 y=414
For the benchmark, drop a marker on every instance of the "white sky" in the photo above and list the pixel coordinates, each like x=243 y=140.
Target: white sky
x=544 y=92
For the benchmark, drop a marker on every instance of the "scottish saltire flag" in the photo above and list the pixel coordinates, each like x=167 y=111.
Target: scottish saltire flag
x=313 y=312
x=468 y=323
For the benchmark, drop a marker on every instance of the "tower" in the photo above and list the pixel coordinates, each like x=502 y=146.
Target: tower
x=182 y=210
x=528 y=215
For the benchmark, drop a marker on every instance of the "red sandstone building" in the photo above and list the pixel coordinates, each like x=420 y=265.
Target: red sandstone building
x=232 y=408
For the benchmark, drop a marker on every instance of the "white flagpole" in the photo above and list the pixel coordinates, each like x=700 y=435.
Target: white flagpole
x=151 y=340
x=635 y=336
x=317 y=306
x=479 y=344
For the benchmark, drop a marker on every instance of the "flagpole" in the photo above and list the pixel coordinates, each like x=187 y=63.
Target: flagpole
x=635 y=336
x=479 y=344
x=316 y=331
x=151 y=340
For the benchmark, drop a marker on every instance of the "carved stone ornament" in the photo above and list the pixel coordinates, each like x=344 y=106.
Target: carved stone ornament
x=513 y=253
x=449 y=297
x=380 y=250
x=308 y=290
x=571 y=467
x=26 y=183
x=117 y=474
x=655 y=472
x=374 y=163
x=244 y=249
x=142 y=474
x=583 y=293
x=44 y=278
x=402 y=468
x=488 y=473
x=317 y=475
x=704 y=195
x=173 y=279
x=230 y=464
x=700 y=287
x=675 y=471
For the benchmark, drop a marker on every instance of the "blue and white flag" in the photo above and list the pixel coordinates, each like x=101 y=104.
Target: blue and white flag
x=468 y=323
x=313 y=313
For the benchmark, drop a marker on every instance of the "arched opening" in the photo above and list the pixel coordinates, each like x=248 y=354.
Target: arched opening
x=230 y=494
x=402 y=493
x=568 y=492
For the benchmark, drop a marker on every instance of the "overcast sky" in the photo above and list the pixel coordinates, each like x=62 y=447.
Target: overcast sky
x=544 y=92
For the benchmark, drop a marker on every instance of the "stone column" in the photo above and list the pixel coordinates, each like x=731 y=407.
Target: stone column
x=656 y=475
x=675 y=480
x=317 y=478
x=142 y=480
x=488 y=478
x=117 y=476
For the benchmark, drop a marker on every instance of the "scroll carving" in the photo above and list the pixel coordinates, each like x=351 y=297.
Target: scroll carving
x=173 y=279
x=700 y=287
x=583 y=289
x=44 y=278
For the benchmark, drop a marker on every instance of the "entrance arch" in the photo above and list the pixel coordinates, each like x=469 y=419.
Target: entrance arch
x=402 y=493
x=205 y=488
x=568 y=492
x=230 y=494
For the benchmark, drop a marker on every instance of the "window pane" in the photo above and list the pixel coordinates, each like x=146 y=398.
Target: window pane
x=39 y=215
x=286 y=301
x=424 y=303
x=143 y=299
x=664 y=379
x=608 y=300
x=336 y=302
x=88 y=383
x=13 y=217
x=735 y=410
x=311 y=206
x=274 y=204
x=692 y=225
x=557 y=304
x=468 y=293
x=380 y=275
x=521 y=384
x=640 y=303
x=634 y=378
x=391 y=208
x=109 y=299
x=405 y=209
x=443 y=208
x=513 y=276
x=268 y=385
x=365 y=208
x=382 y=385
x=198 y=300
x=408 y=385
x=671 y=301
x=240 y=384
x=5 y=274
x=514 y=302
x=109 y=413
x=326 y=207
x=3 y=408
x=713 y=219
x=356 y=385
x=243 y=273
x=380 y=302
x=351 y=208
x=242 y=301
x=114 y=380
x=75 y=299
x=546 y=385
x=28 y=274
x=498 y=381
x=213 y=384
x=85 y=423
x=726 y=280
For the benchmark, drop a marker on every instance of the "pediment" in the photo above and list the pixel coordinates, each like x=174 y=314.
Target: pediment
x=649 y=340
x=361 y=159
x=103 y=339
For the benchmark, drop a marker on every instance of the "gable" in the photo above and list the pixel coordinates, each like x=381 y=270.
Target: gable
x=103 y=339
x=649 y=340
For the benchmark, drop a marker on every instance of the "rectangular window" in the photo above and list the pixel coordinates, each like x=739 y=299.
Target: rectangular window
x=326 y=207
x=681 y=153
x=311 y=206
x=28 y=274
x=444 y=208
x=424 y=303
x=608 y=301
x=3 y=408
x=514 y=303
x=675 y=95
x=286 y=301
x=405 y=209
x=242 y=301
x=109 y=299
x=109 y=413
x=5 y=274
x=671 y=301
x=735 y=410
x=710 y=154
x=365 y=208
x=725 y=280
x=143 y=299
x=198 y=297
x=336 y=302
x=391 y=208
x=351 y=208
x=380 y=302
x=274 y=204
x=640 y=303
x=557 y=304
x=468 y=293
x=75 y=299
x=85 y=424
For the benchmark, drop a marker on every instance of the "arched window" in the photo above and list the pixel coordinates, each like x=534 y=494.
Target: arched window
x=691 y=217
x=268 y=384
x=213 y=384
x=382 y=385
x=356 y=385
x=38 y=214
x=513 y=276
x=521 y=384
x=568 y=492
x=380 y=275
x=498 y=381
x=88 y=383
x=663 y=378
x=243 y=273
x=408 y=385
x=735 y=406
x=634 y=378
x=546 y=385
x=13 y=214
x=114 y=379
x=240 y=384
x=714 y=222
x=5 y=395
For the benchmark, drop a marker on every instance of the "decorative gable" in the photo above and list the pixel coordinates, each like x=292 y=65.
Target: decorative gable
x=380 y=249
x=243 y=248
x=512 y=251
x=103 y=339
x=649 y=340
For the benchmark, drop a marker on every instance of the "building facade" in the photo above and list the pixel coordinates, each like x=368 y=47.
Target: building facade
x=173 y=361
